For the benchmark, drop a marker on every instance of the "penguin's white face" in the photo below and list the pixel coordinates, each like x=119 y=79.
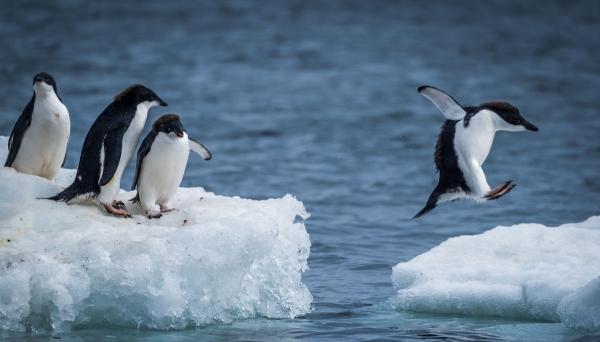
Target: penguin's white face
x=42 y=88
x=512 y=122
x=146 y=105
x=513 y=128
x=507 y=117
x=153 y=104
x=44 y=84
x=176 y=135
x=502 y=125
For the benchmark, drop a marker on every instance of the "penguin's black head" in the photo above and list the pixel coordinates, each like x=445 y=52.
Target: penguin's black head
x=137 y=94
x=169 y=123
x=44 y=77
x=44 y=81
x=511 y=116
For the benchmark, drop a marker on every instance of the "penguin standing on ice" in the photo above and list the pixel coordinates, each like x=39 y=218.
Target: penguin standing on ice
x=161 y=162
x=38 y=141
x=108 y=147
x=463 y=145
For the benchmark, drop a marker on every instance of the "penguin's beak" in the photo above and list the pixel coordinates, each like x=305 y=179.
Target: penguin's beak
x=178 y=130
x=529 y=126
x=162 y=103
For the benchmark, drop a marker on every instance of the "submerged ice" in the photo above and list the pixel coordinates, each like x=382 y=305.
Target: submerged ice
x=525 y=271
x=217 y=259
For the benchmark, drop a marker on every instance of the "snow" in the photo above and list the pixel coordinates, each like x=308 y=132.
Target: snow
x=526 y=271
x=217 y=259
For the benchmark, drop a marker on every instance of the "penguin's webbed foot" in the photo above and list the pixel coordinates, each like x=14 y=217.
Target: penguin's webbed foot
x=500 y=191
x=116 y=210
x=119 y=205
x=165 y=209
x=151 y=214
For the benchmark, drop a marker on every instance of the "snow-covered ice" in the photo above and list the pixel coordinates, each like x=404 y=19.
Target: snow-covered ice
x=527 y=271
x=217 y=259
x=581 y=309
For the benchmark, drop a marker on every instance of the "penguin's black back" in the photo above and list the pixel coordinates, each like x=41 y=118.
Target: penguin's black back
x=115 y=118
x=18 y=132
x=446 y=160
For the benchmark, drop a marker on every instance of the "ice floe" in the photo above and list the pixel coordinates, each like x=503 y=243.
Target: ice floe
x=527 y=271
x=217 y=259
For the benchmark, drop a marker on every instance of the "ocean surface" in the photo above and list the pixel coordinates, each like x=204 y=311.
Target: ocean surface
x=318 y=99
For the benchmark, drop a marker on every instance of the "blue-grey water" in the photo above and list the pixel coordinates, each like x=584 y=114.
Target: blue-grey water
x=318 y=99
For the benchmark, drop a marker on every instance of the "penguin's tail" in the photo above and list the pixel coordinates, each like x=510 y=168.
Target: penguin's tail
x=66 y=195
x=431 y=204
x=427 y=208
x=74 y=190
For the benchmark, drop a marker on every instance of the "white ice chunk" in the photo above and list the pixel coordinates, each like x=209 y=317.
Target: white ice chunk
x=523 y=271
x=581 y=309
x=217 y=259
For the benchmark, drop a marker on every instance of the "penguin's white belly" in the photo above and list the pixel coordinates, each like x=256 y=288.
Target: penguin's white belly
x=109 y=192
x=472 y=145
x=162 y=170
x=471 y=148
x=475 y=141
x=44 y=144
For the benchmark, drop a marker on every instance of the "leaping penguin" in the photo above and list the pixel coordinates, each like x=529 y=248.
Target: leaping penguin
x=108 y=147
x=463 y=145
x=161 y=162
x=38 y=141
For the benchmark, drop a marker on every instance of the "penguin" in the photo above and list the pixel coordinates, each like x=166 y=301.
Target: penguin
x=161 y=162
x=38 y=141
x=463 y=145
x=108 y=147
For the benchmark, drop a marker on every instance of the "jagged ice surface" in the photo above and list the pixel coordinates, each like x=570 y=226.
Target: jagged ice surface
x=217 y=259
x=525 y=271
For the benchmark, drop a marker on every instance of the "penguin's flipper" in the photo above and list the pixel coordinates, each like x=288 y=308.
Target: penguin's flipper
x=200 y=149
x=142 y=152
x=18 y=131
x=451 y=109
x=500 y=190
x=112 y=144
